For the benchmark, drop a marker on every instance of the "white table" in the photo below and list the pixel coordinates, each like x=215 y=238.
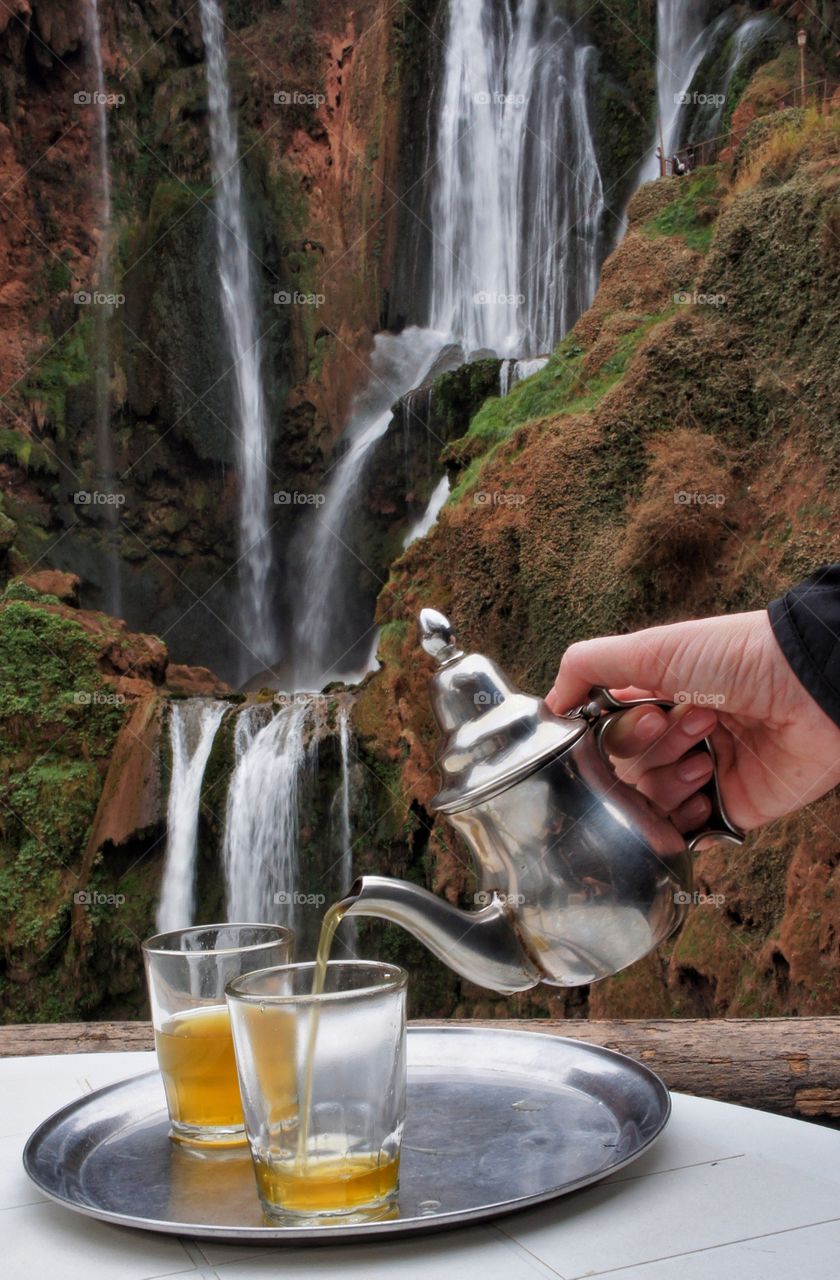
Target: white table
x=725 y=1192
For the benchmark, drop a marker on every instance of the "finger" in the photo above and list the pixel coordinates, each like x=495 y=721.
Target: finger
x=641 y=659
x=658 y=738
x=693 y=814
x=634 y=732
x=672 y=785
x=630 y=694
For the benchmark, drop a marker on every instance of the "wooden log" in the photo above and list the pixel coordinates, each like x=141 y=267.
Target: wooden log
x=30 y=1039
x=787 y=1065
x=790 y=1066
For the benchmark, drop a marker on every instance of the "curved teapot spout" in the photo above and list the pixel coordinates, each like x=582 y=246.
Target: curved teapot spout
x=482 y=946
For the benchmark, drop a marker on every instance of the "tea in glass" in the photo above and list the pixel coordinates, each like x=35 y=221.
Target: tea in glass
x=196 y=1060
x=325 y=1137
x=187 y=971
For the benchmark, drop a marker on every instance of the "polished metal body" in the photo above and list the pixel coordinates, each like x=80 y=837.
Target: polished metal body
x=496 y=1120
x=592 y=875
x=578 y=874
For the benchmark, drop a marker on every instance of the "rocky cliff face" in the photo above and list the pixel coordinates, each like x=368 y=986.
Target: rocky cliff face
x=317 y=90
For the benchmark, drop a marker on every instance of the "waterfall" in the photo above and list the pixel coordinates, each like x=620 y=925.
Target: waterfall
x=326 y=645
x=436 y=504
x=192 y=728
x=513 y=371
x=348 y=931
x=518 y=204
x=239 y=311
x=516 y=212
x=260 y=850
x=682 y=38
x=102 y=313
x=747 y=36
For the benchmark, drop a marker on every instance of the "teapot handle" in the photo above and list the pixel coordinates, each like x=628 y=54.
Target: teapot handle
x=603 y=707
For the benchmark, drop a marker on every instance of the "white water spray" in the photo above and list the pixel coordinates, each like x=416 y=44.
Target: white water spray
x=436 y=503
x=261 y=830
x=513 y=371
x=516 y=229
x=682 y=38
x=519 y=202
x=239 y=310
x=192 y=729
x=398 y=363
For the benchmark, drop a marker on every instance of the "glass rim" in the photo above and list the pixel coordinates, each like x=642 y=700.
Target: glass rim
x=152 y=946
x=395 y=978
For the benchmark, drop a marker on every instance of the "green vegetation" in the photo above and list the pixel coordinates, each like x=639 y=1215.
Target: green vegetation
x=58 y=275
x=64 y=366
x=49 y=681
x=561 y=387
x=393 y=632
x=17 y=589
x=691 y=216
x=171 y=202
x=26 y=452
x=58 y=721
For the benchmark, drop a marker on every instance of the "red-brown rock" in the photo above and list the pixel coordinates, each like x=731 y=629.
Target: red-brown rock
x=52 y=582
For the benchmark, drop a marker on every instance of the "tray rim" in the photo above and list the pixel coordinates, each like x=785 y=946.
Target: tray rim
x=342 y=1232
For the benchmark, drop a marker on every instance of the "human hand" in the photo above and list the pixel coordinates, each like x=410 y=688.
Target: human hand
x=777 y=750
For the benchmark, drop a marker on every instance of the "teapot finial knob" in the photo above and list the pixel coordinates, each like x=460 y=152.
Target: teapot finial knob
x=437 y=636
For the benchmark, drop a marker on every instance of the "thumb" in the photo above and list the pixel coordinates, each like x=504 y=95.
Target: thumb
x=642 y=660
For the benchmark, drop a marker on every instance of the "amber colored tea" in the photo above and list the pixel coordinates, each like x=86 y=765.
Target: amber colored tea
x=327 y=1185
x=195 y=1054
x=301 y=1169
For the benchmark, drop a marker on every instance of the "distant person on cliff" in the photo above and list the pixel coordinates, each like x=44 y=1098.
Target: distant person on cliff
x=677 y=166
x=764 y=686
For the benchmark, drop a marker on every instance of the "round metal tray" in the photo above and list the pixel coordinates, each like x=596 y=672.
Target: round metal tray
x=496 y=1120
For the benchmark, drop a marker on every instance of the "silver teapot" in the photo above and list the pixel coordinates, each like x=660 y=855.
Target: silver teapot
x=579 y=875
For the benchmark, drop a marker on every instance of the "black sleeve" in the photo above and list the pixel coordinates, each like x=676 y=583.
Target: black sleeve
x=806 y=623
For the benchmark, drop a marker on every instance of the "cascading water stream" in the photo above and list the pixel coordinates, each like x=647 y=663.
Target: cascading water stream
x=513 y=371
x=323 y=650
x=343 y=798
x=516 y=245
x=436 y=503
x=682 y=38
x=192 y=728
x=518 y=207
x=239 y=311
x=102 y=311
x=706 y=123
x=260 y=852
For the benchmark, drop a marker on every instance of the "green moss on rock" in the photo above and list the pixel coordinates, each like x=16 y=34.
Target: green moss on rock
x=691 y=211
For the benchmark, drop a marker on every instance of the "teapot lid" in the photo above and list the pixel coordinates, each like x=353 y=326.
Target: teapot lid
x=492 y=734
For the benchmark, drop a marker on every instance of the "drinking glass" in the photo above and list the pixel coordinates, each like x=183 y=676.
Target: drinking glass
x=322 y=1078
x=187 y=971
